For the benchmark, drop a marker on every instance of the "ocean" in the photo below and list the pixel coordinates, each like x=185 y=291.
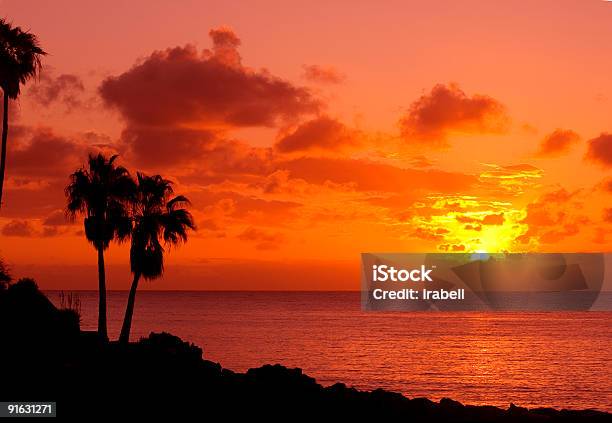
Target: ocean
x=552 y=359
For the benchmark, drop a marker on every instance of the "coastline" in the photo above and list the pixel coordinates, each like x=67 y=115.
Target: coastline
x=47 y=357
x=418 y=354
x=164 y=376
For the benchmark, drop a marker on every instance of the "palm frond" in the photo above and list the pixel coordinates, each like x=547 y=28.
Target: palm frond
x=180 y=201
x=157 y=215
x=103 y=193
x=20 y=58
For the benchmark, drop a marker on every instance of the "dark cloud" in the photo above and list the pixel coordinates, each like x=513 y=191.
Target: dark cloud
x=322 y=133
x=66 y=89
x=34 y=199
x=56 y=218
x=51 y=226
x=99 y=140
x=600 y=150
x=43 y=154
x=179 y=104
x=17 y=227
x=181 y=86
x=558 y=142
x=56 y=223
x=235 y=158
x=212 y=156
x=263 y=240
x=225 y=46
x=323 y=74
x=164 y=146
x=39 y=163
x=447 y=109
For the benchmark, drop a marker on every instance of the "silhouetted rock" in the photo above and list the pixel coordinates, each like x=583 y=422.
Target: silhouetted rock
x=162 y=375
x=28 y=320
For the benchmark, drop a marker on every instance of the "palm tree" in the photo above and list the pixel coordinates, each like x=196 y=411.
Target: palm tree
x=102 y=193
x=20 y=56
x=157 y=216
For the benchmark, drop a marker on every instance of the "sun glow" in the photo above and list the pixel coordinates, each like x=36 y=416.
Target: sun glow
x=462 y=224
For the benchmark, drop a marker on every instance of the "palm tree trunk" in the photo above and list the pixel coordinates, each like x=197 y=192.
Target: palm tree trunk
x=102 y=331
x=124 y=338
x=4 y=138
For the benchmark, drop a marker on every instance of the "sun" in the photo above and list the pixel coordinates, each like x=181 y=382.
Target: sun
x=498 y=239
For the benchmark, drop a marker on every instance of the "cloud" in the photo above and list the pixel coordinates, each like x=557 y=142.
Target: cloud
x=52 y=225
x=263 y=240
x=606 y=185
x=260 y=168
x=452 y=206
x=372 y=176
x=447 y=110
x=225 y=46
x=39 y=164
x=322 y=74
x=181 y=86
x=421 y=161
x=65 y=89
x=165 y=146
x=607 y=215
x=236 y=206
x=44 y=154
x=56 y=218
x=553 y=217
x=600 y=150
x=493 y=219
x=33 y=199
x=558 y=142
x=452 y=247
x=322 y=133
x=513 y=179
x=198 y=154
x=18 y=228
x=429 y=234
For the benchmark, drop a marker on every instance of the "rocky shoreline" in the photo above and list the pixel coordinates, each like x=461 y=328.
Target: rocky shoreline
x=45 y=357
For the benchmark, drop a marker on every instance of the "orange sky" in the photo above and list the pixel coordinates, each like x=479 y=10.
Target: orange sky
x=305 y=133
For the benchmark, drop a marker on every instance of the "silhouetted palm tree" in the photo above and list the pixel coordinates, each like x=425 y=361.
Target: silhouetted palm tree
x=20 y=56
x=156 y=217
x=102 y=193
